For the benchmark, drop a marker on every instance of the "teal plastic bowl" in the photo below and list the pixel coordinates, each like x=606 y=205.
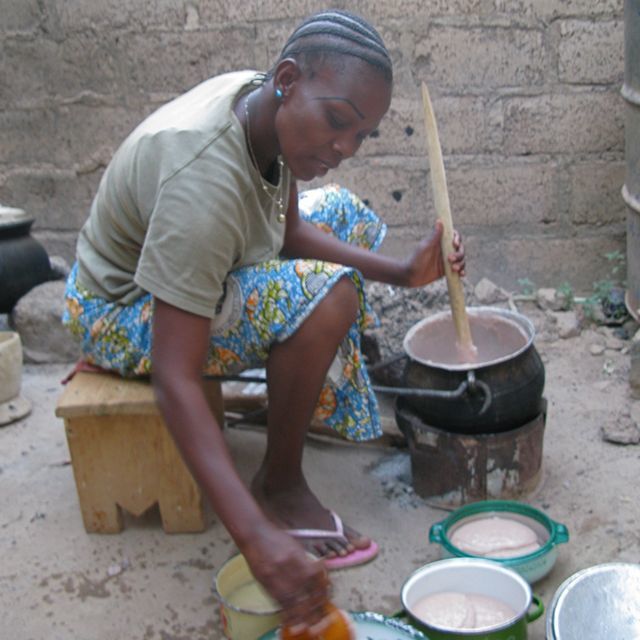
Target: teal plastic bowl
x=533 y=566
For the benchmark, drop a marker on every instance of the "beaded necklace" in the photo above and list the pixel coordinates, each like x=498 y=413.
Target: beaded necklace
x=275 y=199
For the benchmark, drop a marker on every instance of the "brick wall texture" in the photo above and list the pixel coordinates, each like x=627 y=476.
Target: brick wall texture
x=526 y=94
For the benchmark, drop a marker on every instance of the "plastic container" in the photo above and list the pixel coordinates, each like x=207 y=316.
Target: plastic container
x=246 y=610
x=533 y=566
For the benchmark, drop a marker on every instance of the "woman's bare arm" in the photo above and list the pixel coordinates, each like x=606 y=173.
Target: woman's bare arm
x=422 y=266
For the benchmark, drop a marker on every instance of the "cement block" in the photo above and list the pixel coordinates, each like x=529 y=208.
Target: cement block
x=375 y=12
x=465 y=126
x=548 y=9
x=24 y=70
x=176 y=61
x=504 y=194
x=396 y=189
x=512 y=197
x=481 y=57
x=20 y=16
x=591 y=52
x=399 y=132
x=33 y=72
x=575 y=122
x=58 y=199
x=270 y=38
x=542 y=259
x=469 y=124
x=77 y=15
x=259 y=11
x=421 y=10
x=595 y=192
x=80 y=135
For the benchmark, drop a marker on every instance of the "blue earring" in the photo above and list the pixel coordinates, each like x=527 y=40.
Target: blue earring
x=279 y=93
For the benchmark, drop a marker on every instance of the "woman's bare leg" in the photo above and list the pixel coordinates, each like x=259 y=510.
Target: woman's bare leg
x=296 y=371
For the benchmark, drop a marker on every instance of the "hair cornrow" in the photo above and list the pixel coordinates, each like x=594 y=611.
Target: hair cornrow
x=339 y=32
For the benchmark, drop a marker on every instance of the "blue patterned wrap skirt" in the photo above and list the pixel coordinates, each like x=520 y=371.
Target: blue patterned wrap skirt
x=263 y=304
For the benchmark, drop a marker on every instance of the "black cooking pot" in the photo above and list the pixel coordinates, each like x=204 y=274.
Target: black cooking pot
x=484 y=397
x=24 y=262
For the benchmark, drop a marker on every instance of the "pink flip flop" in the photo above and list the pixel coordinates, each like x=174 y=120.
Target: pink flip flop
x=355 y=558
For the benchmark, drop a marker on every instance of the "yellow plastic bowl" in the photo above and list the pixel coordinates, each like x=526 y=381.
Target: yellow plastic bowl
x=246 y=610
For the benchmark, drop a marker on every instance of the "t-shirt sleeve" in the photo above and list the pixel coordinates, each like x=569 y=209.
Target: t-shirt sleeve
x=192 y=241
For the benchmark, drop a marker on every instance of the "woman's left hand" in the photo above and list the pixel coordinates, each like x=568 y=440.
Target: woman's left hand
x=426 y=262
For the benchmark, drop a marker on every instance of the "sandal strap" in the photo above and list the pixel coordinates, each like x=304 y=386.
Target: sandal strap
x=338 y=532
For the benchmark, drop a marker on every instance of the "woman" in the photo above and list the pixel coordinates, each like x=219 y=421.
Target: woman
x=200 y=255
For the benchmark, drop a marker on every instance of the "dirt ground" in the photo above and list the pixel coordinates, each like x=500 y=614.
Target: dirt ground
x=59 y=583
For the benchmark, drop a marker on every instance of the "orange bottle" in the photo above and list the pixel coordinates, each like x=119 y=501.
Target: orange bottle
x=335 y=625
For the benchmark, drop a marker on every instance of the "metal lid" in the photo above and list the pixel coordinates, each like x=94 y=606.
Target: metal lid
x=597 y=603
x=10 y=216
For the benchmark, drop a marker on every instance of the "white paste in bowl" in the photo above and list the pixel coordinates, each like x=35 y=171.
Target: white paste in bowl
x=453 y=610
x=495 y=537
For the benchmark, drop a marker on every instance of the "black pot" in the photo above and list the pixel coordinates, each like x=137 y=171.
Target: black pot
x=24 y=263
x=486 y=397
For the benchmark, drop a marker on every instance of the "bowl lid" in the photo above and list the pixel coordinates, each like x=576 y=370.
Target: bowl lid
x=10 y=216
x=599 y=602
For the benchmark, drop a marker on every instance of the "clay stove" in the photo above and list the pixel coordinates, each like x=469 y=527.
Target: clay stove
x=451 y=469
x=475 y=431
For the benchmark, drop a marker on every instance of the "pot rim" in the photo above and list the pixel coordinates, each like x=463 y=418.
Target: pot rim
x=12 y=217
x=472 y=562
x=558 y=532
x=517 y=318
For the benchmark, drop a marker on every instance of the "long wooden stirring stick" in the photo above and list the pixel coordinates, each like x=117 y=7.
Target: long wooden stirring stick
x=443 y=211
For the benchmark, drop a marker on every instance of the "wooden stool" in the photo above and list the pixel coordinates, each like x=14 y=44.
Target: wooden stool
x=123 y=456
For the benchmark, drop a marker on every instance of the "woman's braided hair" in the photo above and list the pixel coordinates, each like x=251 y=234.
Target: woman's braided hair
x=331 y=34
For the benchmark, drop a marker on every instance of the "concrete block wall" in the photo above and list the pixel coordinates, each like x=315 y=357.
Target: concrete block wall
x=526 y=94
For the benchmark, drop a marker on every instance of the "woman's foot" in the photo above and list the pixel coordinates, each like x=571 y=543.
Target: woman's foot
x=298 y=510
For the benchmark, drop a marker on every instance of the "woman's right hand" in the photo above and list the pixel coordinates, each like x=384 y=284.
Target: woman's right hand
x=296 y=581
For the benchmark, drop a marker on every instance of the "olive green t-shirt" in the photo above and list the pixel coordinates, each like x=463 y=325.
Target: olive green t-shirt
x=180 y=205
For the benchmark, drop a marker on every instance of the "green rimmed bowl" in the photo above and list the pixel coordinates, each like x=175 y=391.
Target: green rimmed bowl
x=472 y=576
x=533 y=566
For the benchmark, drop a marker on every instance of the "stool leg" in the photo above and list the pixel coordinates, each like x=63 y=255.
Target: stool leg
x=179 y=496
x=100 y=513
x=101 y=518
x=180 y=516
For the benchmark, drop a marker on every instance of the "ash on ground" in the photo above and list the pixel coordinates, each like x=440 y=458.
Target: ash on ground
x=394 y=473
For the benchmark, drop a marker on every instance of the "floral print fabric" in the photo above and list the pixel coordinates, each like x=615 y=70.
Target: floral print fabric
x=262 y=304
